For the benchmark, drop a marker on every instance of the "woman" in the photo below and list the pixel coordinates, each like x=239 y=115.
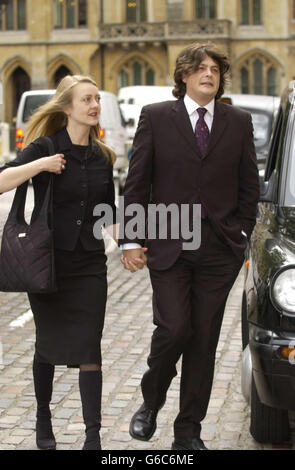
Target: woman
x=69 y=322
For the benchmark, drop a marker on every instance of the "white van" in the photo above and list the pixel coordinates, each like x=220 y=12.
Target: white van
x=113 y=132
x=133 y=98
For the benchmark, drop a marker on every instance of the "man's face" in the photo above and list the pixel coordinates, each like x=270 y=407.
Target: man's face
x=202 y=85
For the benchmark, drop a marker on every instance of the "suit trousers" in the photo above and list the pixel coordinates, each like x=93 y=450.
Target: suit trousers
x=188 y=306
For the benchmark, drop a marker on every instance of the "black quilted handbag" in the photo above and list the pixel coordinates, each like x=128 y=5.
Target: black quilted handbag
x=27 y=256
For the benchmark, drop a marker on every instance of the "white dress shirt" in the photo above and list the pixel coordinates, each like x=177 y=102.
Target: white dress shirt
x=192 y=106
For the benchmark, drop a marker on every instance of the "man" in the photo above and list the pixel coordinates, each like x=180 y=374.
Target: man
x=191 y=151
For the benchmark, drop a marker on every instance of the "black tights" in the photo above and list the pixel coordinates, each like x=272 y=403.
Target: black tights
x=43 y=379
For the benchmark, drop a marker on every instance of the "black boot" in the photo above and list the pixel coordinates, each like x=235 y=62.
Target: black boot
x=90 y=383
x=43 y=379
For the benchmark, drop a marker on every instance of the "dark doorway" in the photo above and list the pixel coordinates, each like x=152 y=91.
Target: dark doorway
x=21 y=82
x=61 y=72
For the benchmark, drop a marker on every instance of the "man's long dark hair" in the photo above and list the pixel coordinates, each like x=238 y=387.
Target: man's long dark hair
x=189 y=60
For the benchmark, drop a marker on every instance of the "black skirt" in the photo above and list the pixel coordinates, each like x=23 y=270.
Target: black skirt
x=69 y=323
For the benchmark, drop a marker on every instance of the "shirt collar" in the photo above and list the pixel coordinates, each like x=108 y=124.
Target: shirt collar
x=64 y=144
x=192 y=105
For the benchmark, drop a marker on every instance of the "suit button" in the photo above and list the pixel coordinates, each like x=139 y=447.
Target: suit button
x=82 y=203
x=79 y=222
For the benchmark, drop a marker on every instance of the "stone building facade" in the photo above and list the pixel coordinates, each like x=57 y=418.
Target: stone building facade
x=130 y=42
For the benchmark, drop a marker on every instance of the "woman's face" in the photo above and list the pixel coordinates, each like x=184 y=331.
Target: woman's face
x=85 y=107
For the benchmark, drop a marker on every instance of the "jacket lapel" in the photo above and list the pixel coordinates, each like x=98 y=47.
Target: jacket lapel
x=182 y=121
x=218 y=127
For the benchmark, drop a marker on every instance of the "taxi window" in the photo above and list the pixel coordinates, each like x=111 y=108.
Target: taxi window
x=290 y=186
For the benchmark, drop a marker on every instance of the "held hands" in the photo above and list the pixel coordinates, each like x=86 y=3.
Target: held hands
x=55 y=163
x=134 y=259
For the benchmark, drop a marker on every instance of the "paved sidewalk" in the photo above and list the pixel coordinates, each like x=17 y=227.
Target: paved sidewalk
x=125 y=348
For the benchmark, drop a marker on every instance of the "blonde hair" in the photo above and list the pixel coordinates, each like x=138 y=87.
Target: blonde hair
x=50 y=117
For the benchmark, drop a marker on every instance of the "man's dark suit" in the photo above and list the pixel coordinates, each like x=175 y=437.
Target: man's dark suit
x=191 y=287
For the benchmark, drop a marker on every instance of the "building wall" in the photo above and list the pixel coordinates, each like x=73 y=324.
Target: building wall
x=108 y=43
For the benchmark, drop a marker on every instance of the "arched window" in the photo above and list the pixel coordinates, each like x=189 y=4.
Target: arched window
x=205 y=9
x=250 y=12
x=70 y=14
x=136 y=11
x=136 y=72
x=258 y=76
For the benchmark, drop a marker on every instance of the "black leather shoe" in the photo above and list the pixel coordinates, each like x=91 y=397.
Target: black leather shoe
x=188 y=444
x=143 y=423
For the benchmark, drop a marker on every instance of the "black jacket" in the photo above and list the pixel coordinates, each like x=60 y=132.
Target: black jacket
x=76 y=191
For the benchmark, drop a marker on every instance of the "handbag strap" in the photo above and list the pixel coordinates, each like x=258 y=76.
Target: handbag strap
x=17 y=211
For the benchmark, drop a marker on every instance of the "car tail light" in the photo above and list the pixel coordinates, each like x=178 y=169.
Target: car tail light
x=102 y=134
x=19 y=138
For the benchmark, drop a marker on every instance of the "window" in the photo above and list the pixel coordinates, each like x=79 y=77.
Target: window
x=244 y=81
x=250 y=12
x=70 y=14
x=274 y=146
x=136 y=11
x=136 y=72
x=272 y=82
x=13 y=15
x=205 y=9
x=174 y=10
x=258 y=76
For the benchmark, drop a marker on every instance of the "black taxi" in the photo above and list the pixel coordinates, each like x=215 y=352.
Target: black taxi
x=268 y=304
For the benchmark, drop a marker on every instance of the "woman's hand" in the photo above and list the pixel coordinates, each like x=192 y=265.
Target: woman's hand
x=12 y=177
x=54 y=164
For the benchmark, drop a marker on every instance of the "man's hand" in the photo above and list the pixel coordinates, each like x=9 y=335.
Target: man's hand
x=134 y=259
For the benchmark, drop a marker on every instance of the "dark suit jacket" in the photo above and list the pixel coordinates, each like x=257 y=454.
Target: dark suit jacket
x=166 y=167
x=76 y=191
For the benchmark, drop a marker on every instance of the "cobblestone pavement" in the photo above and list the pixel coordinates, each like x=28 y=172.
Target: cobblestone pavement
x=125 y=347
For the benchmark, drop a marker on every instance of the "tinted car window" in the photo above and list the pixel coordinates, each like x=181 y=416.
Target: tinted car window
x=32 y=103
x=290 y=183
x=261 y=124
